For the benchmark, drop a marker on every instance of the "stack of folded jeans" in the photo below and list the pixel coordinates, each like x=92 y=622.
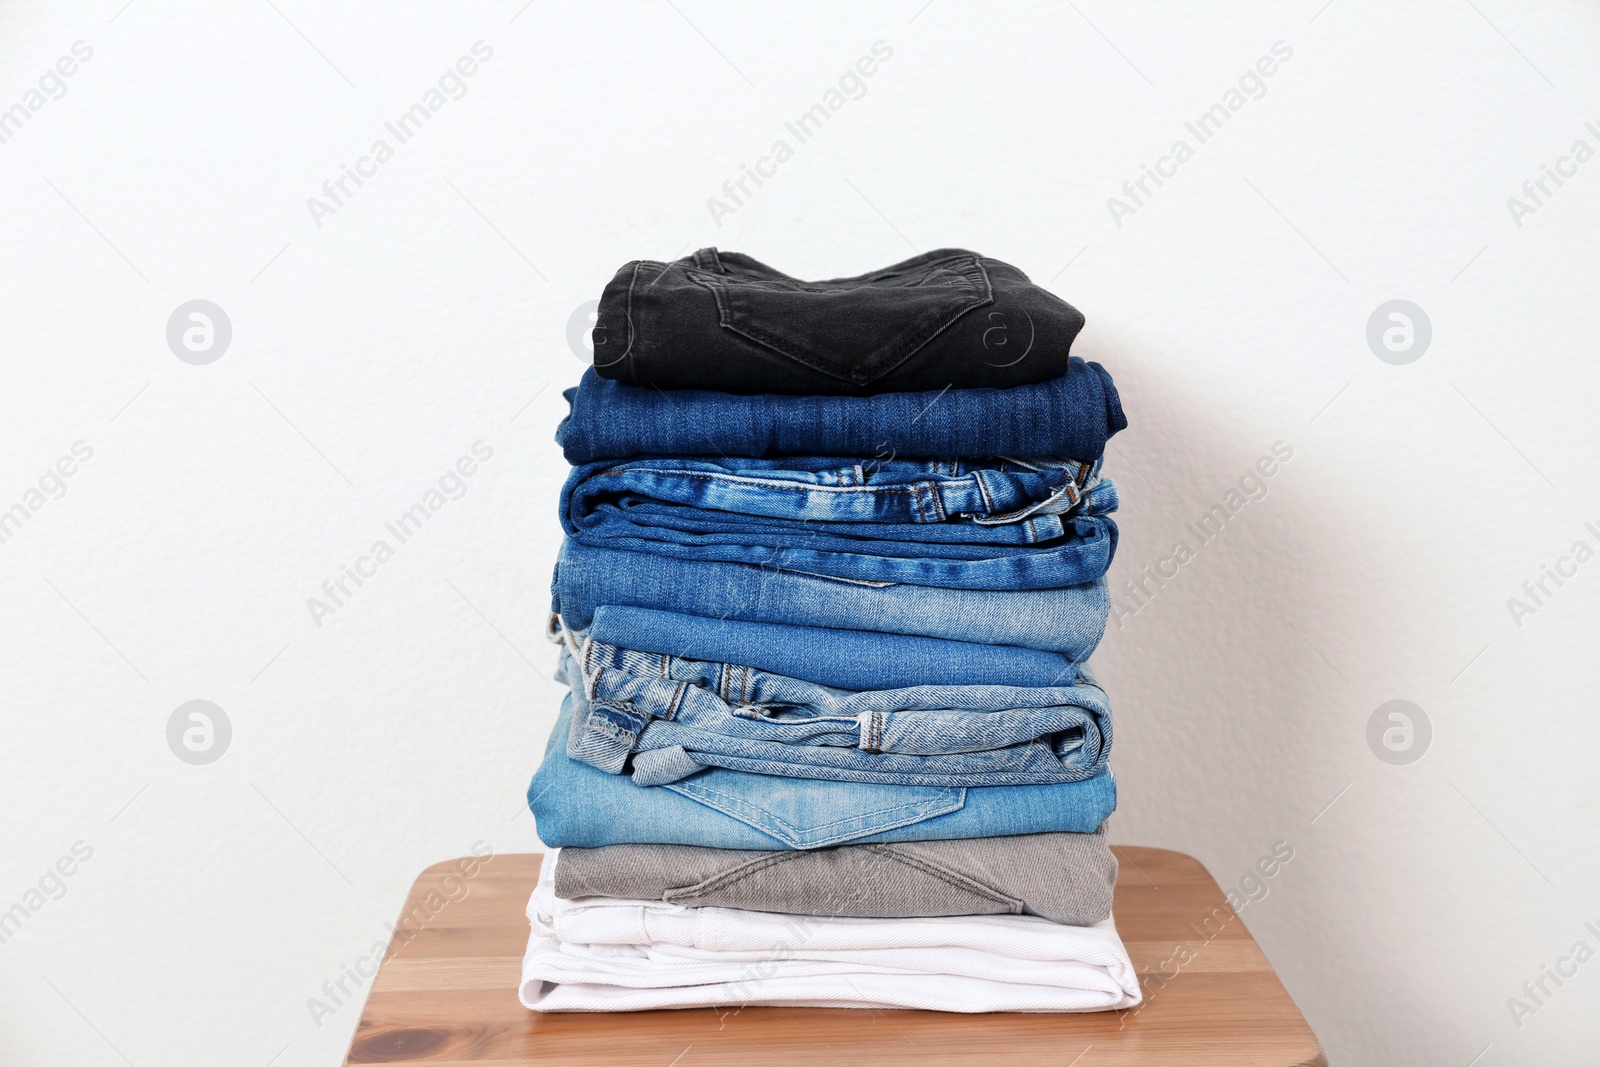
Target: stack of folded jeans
x=835 y=562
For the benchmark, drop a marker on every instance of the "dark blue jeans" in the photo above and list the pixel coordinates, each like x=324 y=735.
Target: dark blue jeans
x=1071 y=415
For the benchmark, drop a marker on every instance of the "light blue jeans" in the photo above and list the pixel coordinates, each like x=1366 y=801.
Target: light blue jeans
x=582 y=806
x=666 y=718
x=1069 y=620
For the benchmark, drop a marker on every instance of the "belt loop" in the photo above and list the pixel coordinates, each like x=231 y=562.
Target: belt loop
x=981 y=483
x=707 y=259
x=868 y=731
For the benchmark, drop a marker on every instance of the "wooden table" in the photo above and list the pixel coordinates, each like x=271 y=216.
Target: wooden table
x=448 y=995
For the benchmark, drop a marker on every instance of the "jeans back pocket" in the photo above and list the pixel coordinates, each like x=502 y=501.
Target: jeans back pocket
x=807 y=813
x=856 y=330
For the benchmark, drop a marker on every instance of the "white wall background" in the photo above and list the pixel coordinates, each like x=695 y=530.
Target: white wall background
x=431 y=311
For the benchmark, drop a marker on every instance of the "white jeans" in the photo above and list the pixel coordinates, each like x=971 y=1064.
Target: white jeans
x=601 y=954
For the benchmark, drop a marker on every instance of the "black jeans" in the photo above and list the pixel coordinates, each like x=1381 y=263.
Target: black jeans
x=721 y=320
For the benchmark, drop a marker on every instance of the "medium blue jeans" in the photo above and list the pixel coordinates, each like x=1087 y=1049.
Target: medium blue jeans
x=987 y=524
x=584 y=807
x=1069 y=620
x=1072 y=415
x=841 y=659
x=667 y=718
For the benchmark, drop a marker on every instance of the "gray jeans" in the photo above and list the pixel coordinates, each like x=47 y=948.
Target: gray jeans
x=1066 y=878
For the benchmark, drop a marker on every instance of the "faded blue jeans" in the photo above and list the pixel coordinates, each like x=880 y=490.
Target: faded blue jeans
x=841 y=659
x=582 y=806
x=1069 y=620
x=668 y=718
x=1003 y=524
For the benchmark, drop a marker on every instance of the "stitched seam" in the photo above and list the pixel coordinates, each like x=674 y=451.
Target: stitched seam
x=983 y=491
x=953 y=878
x=628 y=313
x=785 y=284
x=606 y=728
x=610 y=732
x=915 y=487
x=735 y=802
x=971 y=270
x=674 y=701
x=978 y=779
x=738 y=874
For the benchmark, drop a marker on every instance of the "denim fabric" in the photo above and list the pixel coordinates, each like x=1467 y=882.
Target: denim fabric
x=576 y=804
x=1072 y=415
x=999 y=524
x=1069 y=620
x=907 y=493
x=843 y=659
x=1066 y=878
x=667 y=718
x=721 y=320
